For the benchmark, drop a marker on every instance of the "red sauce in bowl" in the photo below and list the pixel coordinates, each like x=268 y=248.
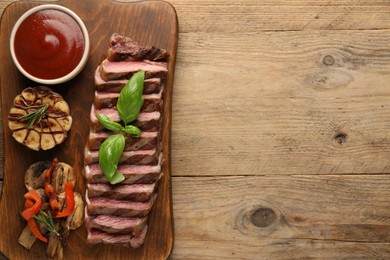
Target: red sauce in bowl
x=49 y=44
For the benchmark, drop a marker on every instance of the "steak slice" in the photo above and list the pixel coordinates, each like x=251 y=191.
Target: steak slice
x=147 y=141
x=122 y=208
x=151 y=86
x=123 y=48
x=152 y=102
x=133 y=174
x=115 y=225
x=140 y=157
x=131 y=192
x=96 y=236
x=146 y=121
x=125 y=69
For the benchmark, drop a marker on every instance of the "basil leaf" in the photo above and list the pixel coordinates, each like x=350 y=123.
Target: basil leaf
x=132 y=130
x=130 y=98
x=117 y=178
x=109 y=123
x=110 y=153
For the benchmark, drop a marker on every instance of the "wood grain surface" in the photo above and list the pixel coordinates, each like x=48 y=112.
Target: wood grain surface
x=280 y=129
x=150 y=23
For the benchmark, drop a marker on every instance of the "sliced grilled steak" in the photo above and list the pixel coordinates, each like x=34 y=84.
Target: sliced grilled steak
x=140 y=157
x=131 y=192
x=151 y=86
x=148 y=121
x=147 y=141
x=123 y=48
x=96 y=236
x=122 y=208
x=125 y=69
x=138 y=241
x=133 y=173
x=152 y=102
x=117 y=214
x=115 y=225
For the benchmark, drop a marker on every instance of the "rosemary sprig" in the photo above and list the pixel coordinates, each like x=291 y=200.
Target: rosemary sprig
x=47 y=221
x=34 y=117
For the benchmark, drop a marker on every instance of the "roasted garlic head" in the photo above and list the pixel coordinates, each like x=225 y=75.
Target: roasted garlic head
x=40 y=118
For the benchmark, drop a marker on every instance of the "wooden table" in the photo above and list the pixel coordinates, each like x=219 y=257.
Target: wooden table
x=280 y=131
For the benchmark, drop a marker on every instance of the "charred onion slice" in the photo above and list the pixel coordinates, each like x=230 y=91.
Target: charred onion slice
x=40 y=118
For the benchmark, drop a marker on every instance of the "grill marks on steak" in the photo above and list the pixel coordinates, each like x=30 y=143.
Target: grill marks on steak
x=132 y=173
x=140 y=157
x=134 y=192
x=117 y=214
x=116 y=225
x=122 y=208
x=124 y=48
x=146 y=121
x=147 y=141
x=152 y=102
x=96 y=236
x=151 y=86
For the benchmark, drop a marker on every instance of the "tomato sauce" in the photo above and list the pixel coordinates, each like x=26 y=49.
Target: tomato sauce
x=49 y=44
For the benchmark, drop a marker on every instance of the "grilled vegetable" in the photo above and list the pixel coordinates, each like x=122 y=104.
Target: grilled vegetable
x=76 y=219
x=54 y=244
x=35 y=230
x=49 y=188
x=35 y=177
x=27 y=238
x=52 y=206
x=40 y=118
x=69 y=206
x=62 y=174
x=33 y=205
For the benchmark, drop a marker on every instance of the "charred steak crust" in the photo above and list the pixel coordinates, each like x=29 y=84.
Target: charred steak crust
x=123 y=48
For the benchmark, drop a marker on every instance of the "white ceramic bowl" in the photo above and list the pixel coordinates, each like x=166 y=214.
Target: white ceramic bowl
x=84 y=57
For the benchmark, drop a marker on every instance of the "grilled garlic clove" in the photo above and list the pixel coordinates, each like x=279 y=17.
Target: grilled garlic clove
x=20 y=135
x=17 y=111
x=15 y=125
x=40 y=118
x=47 y=141
x=65 y=123
x=59 y=138
x=29 y=95
x=62 y=106
x=33 y=140
x=54 y=125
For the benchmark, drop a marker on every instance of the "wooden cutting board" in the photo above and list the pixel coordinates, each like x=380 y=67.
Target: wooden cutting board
x=151 y=23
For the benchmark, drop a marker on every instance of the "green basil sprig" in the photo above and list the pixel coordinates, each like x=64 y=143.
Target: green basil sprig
x=110 y=124
x=109 y=155
x=130 y=99
x=129 y=105
x=132 y=130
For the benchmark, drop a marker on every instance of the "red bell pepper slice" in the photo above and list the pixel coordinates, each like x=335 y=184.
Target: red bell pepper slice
x=70 y=204
x=30 y=211
x=35 y=230
x=33 y=204
x=49 y=189
x=29 y=203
